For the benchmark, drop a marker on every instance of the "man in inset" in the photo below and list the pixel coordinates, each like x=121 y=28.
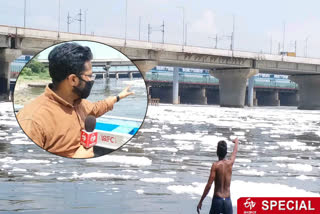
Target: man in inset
x=54 y=120
x=221 y=172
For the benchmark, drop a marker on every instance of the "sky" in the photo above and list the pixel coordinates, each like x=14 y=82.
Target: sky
x=259 y=25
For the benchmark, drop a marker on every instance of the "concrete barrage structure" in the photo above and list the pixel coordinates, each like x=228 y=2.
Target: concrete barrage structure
x=15 y=41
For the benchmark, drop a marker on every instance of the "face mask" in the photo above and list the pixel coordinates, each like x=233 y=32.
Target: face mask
x=84 y=92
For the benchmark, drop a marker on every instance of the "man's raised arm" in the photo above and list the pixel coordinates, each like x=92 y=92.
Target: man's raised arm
x=235 y=150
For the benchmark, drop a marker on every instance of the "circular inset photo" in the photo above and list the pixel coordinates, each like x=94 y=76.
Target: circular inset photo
x=80 y=99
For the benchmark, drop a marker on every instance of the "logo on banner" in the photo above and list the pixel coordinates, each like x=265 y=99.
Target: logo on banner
x=278 y=205
x=249 y=204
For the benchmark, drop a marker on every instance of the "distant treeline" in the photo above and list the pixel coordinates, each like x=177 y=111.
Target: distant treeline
x=35 y=68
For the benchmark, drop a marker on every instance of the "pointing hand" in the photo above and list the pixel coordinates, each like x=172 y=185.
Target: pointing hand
x=125 y=92
x=235 y=140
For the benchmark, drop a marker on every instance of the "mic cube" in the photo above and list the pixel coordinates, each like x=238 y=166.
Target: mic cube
x=88 y=139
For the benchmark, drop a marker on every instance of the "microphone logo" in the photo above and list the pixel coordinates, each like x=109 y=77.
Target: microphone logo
x=84 y=138
x=92 y=138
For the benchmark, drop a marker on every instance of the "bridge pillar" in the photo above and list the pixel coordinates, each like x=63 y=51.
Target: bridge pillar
x=145 y=65
x=268 y=98
x=130 y=75
x=212 y=95
x=175 y=86
x=6 y=57
x=163 y=93
x=289 y=98
x=232 y=85
x=203 y=97
x=250 y=91
x=309 y=91
x=193 y=96
x=255 y=100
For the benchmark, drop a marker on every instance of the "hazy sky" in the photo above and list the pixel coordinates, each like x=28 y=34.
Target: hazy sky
x=256 y=21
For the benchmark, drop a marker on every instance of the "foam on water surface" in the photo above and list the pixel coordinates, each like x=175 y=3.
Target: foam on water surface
x=239 y=188
x=300 y=167
x=157 y=180
x=121 y=159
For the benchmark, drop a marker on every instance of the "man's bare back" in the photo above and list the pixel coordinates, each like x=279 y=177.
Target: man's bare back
x=220 y=173
x=223 y=172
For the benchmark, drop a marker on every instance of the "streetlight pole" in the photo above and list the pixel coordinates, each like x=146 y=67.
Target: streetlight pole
x=306 y=46
x=59 y=19
x=85 y=21
x=232 y=36
x=80 y=20
x=24 y=17
x=216 y=40
x=186 y=34
x=183 y=34
x=139 y=26
x=125 y=33
x=283 y=36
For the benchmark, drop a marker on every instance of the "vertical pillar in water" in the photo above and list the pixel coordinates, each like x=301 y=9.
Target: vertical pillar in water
x=250 y=91
x=130 y=75
x=175 y=86
x=309 y=91
x=6 y=57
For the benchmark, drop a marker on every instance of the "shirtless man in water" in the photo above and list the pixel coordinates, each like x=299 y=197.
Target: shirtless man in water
x=220 y=173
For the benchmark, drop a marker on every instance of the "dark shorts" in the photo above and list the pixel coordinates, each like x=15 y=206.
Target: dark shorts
x=221 y=205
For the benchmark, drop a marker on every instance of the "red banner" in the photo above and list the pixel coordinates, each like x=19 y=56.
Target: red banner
x=256 y=205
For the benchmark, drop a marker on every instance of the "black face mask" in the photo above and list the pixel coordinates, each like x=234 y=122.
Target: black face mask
x=83 y=92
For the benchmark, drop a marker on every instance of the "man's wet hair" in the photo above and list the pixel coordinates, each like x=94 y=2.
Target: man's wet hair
x=222 y=149
x=68 y=58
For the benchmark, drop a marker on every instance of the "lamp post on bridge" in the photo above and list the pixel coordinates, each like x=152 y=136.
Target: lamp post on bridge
x=125 y=32
x=24 y=14
x=156 y=29
x=183 y=25
x=216 y=40
x=306 y=46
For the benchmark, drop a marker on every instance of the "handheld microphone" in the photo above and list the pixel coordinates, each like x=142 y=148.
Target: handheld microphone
x=88 y=137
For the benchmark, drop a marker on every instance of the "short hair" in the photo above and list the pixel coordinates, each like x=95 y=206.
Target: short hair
x=222 y=149
x=68 y=58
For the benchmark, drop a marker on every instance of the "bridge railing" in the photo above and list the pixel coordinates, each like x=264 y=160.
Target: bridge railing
x=183 y=78
x=205 y=78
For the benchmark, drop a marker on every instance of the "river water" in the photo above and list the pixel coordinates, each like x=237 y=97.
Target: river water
x=166 y=165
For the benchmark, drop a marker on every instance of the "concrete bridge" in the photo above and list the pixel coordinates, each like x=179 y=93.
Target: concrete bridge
x=105 y=68
x=202 y=88
x=232 y=68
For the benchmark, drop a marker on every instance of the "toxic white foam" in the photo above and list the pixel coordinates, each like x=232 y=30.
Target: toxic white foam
x=10 y=160
x=243 y=188
x=252 y=172
x=102 y=175
x=43 y=173
x=127 y=160
x=20 y=142
x=295 y=145
x=140 y=191
x=283 y=158
x=184 y=136
x=161 y=149
x=243 y=160
x=303 y=177
x=157 y=180
x=300 y=167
